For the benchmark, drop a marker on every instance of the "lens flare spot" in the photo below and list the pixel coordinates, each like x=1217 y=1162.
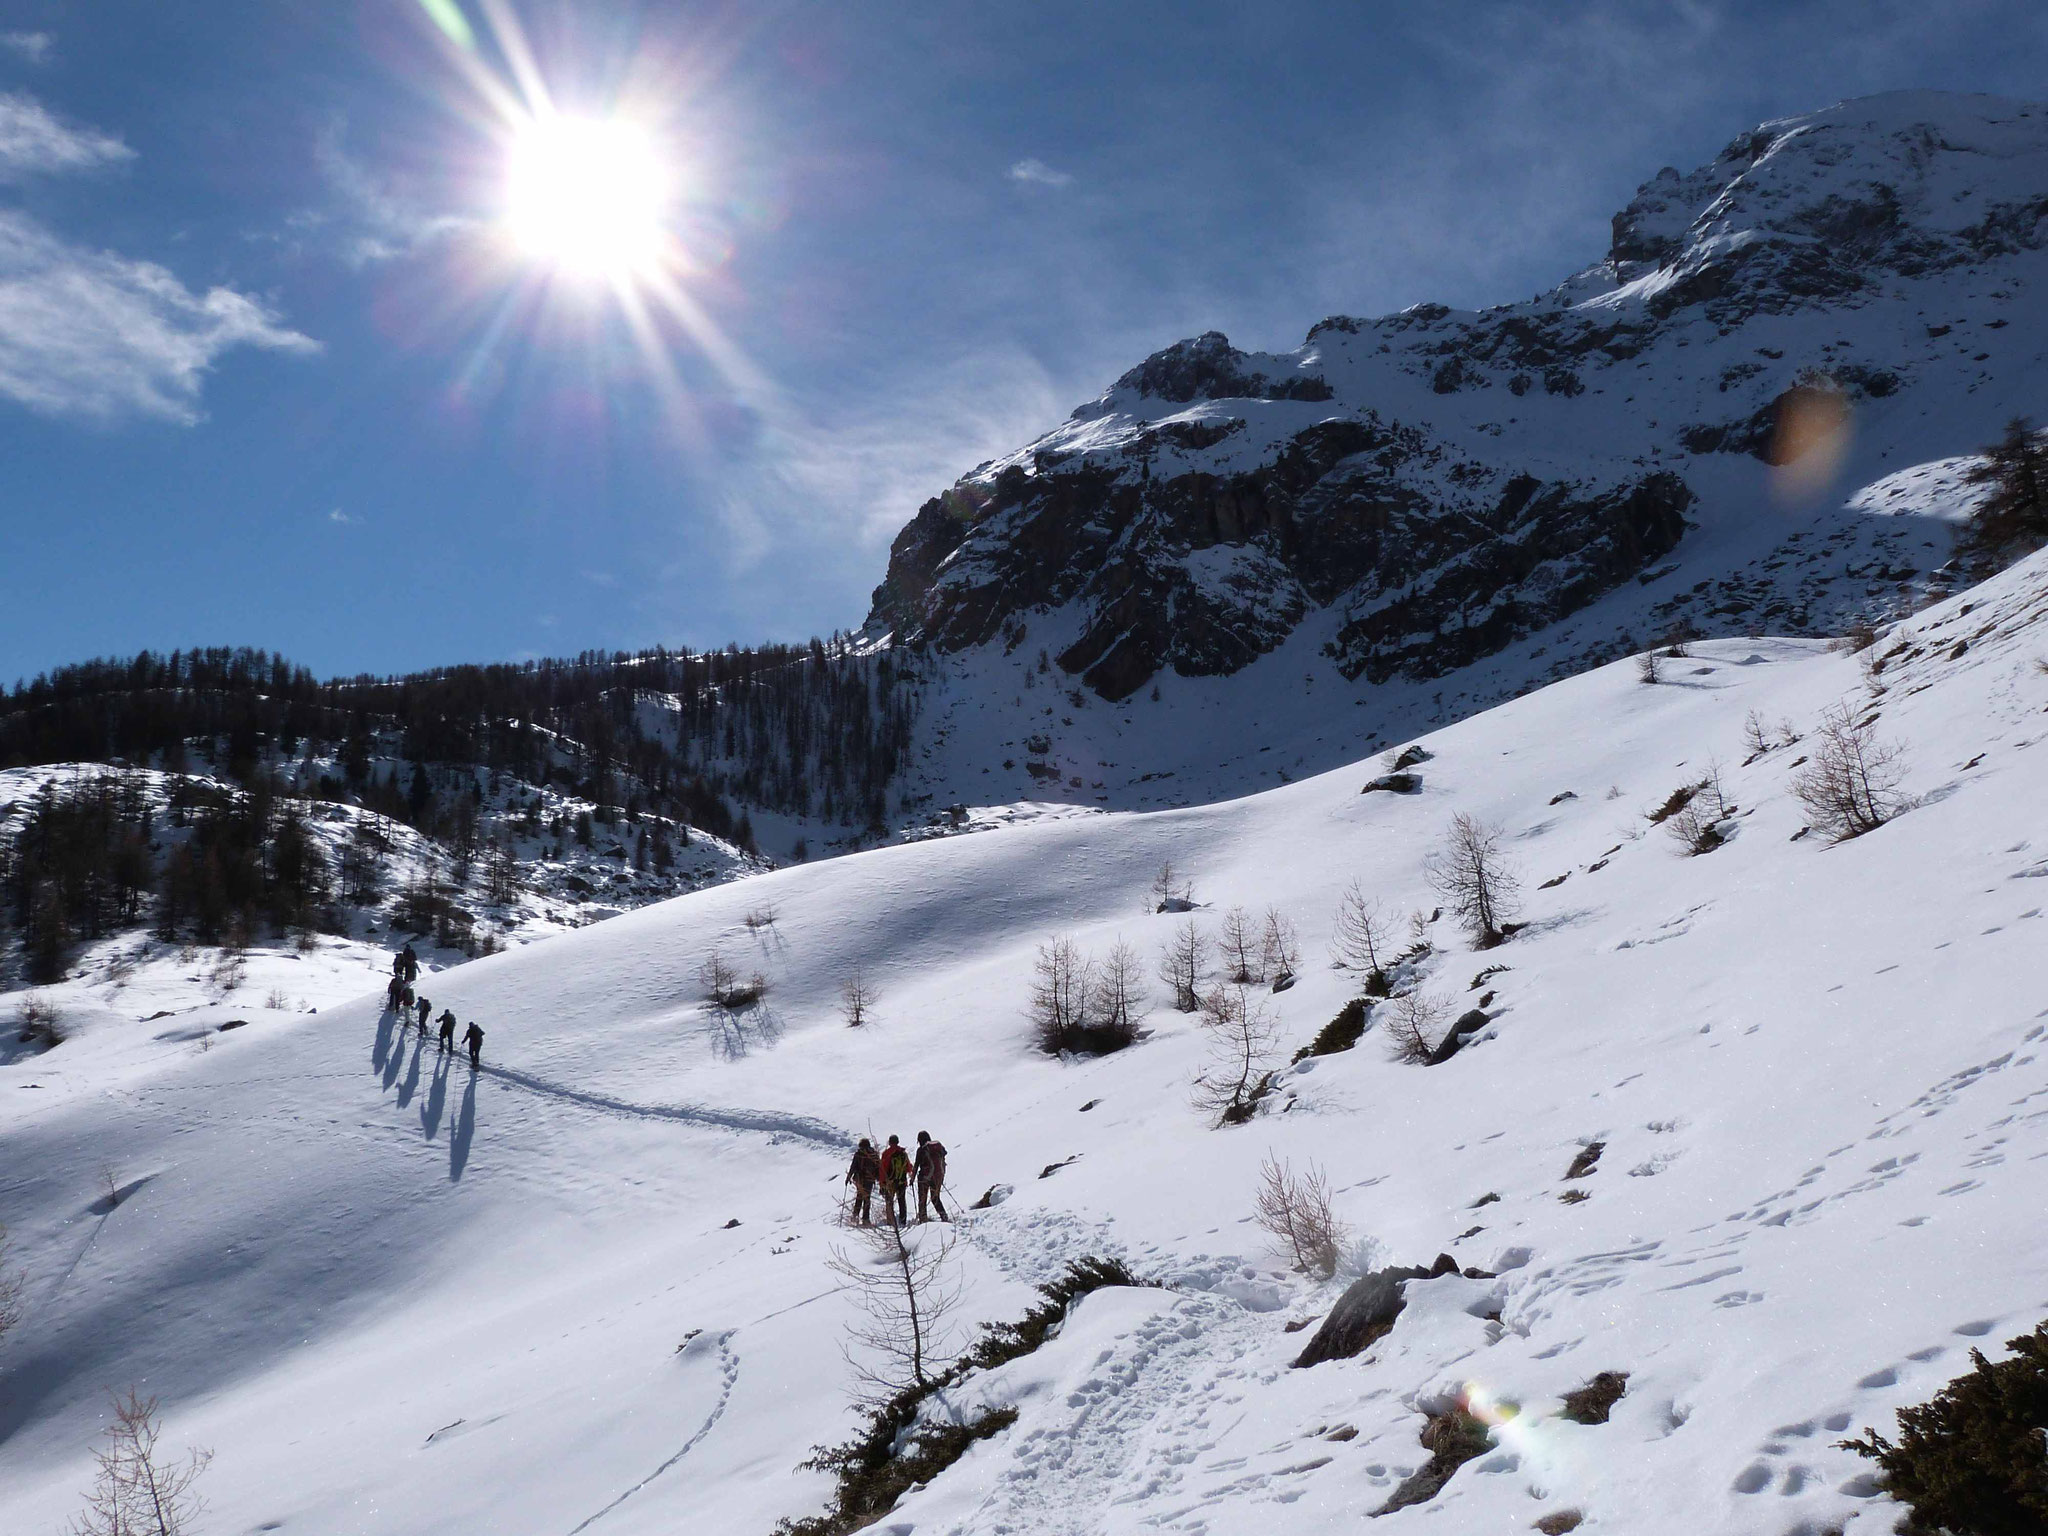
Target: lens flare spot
x=1810 y=442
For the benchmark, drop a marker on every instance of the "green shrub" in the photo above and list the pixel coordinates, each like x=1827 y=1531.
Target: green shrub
x=1972 y=1459
x=1340 y=1034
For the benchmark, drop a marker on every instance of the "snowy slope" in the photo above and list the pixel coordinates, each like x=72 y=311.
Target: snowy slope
x=395 y=1297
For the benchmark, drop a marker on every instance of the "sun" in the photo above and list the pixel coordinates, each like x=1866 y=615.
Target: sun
x=588 y=197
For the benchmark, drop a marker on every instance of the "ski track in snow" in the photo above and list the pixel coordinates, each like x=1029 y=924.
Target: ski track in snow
x=729 y=1367
x=774 y=1124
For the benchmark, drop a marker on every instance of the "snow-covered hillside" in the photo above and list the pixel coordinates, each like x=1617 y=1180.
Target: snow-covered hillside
x=395 y=1296
x=1412 y=516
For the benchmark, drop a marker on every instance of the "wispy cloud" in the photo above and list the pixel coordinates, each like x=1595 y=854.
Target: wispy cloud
x=34 y=142
x=847 y=480
x=94 y=334
x=370 y=221
x=32 y=47
x=339 y=516
x=1038 y=173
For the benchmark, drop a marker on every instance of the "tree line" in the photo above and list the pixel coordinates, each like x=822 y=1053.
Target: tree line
x=819 y=729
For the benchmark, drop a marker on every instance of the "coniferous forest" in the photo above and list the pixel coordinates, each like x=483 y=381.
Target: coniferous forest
x=658 y=741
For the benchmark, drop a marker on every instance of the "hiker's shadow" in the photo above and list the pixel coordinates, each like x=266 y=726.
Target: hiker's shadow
x=437 y=1098
x=411 y=1084
x=464 y=1129
x=380 y=1051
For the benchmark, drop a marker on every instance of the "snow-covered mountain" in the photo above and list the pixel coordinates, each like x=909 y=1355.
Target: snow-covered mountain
x=588 y=1288
x=1412 y=516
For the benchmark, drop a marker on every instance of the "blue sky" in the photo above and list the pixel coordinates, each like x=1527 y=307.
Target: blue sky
x=271 y=374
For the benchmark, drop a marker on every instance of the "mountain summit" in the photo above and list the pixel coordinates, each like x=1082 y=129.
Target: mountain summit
x=1671 y=428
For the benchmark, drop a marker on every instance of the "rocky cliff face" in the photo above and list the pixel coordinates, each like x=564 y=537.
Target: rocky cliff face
x=1441 y=484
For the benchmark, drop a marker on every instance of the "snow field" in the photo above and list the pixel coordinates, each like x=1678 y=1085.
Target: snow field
x=398 y=1299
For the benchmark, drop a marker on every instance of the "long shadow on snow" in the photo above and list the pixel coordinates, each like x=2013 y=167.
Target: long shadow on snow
x=766 y=1121
x=411 y=1085
x=464 y=1129
x=437 y=1098
x=380 y=1050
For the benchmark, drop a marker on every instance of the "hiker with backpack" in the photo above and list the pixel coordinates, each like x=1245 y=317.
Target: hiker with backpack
x=447 y=1022
x=425 y=1008
x=409 y=963
x=896 y=1183
x=392 y=991
x=474 y=1039
x=931 y=1175
x=865 y=1173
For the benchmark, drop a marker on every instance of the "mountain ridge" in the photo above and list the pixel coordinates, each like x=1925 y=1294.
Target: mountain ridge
x=1364 y=473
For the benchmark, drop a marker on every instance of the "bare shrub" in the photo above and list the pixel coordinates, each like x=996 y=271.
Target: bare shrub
x=1279 y=946
x=1697 y=823
x=1646 y=667
x=139 y=1491
x=1171 y=890
x=1850 y=784
x=1242 y=1055
x=856 y=998
x=1475 y=878
x=1117 y=1003
x=40 y=1020
x=1067 y=992
x=725 y=988
x=1363 y=938
x=1756 y=735
x=1414 y=1024
x=761 y=916
x=1295 y=1208
x=1239 y=943
x=1181 y=967
x=904 y=1294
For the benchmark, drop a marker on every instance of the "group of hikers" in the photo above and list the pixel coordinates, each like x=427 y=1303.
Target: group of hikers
x=405 y=970
x=893 y=1169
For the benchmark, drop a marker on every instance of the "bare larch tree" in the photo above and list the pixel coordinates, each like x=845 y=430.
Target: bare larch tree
x=903 y=1292
x=1061 y=982
x=1181 y=967
x=1363 y=938
x=1118 y=1004
x=856 y=998
x=1295 y=1207
x=1239 y=943
x=1475 y=879
x=139 y=1491
x=1850 y=784
x=1241 y=1054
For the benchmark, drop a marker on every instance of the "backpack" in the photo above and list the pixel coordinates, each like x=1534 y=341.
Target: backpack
x=895 y=1165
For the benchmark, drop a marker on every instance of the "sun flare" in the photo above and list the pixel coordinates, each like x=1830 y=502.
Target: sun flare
x=588 y=197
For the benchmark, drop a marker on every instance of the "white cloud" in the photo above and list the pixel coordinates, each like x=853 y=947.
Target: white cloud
x=373 y=222
x=1040 y=174
x=32 y=47
x=339 y=516
x=32 y=141
x=93 y=334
